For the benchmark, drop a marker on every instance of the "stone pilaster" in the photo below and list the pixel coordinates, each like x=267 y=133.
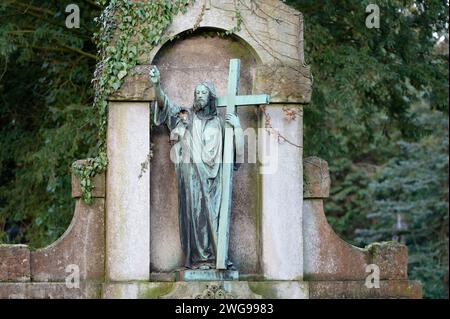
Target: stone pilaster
x=128 y=192
x=280 y=154
x=282 y=190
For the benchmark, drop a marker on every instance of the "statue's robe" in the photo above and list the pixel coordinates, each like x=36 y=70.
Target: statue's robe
x=197 y=154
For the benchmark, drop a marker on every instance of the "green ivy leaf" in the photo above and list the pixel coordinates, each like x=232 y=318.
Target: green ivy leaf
x=116 y=85
x=121 y=75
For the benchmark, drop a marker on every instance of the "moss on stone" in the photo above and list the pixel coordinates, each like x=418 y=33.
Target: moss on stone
x=156 y=291
x=375 y=248
x=265 y=289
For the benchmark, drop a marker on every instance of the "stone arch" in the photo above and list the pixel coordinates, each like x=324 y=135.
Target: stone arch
x=271 y=28
x=193 y=58
x=205 y=29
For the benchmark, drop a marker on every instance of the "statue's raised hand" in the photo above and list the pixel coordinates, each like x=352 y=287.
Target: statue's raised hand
x=154 y=75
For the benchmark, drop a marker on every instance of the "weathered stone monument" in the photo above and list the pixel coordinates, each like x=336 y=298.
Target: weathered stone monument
x=126 y=244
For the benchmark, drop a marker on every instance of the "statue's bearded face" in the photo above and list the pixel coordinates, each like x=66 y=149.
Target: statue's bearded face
x=201 y=97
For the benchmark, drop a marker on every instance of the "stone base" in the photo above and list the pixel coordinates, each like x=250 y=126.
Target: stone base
x=207 y=290
x=207 y=275
x=49 y=290
x=389 y=289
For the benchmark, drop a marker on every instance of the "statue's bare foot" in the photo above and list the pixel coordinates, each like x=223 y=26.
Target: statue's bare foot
x=204 y=267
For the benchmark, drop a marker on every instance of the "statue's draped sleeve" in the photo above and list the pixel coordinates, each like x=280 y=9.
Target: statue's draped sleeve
x=167 y=113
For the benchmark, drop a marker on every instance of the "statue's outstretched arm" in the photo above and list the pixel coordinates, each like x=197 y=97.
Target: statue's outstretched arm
x=165 y=112
x=155 y=77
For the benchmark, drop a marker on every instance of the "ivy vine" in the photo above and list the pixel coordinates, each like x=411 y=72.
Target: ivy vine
x=141 y=26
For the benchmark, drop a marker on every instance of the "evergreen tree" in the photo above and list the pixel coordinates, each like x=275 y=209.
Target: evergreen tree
x=413 y=187
x=46 y=119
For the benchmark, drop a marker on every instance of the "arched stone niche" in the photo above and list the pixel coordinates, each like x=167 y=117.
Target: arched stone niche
x=269 y=27
x=183 y=63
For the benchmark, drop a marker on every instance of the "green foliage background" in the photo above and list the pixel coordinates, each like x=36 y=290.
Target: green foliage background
x=379 y=116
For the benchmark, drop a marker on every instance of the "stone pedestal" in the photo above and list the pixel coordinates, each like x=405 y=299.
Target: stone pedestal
x=207 y=275
x=207 y=290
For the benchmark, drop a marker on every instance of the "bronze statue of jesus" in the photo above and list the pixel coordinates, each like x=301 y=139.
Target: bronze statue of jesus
x=198 y=135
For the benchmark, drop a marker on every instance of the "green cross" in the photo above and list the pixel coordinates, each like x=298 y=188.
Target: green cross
x=231 y=101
